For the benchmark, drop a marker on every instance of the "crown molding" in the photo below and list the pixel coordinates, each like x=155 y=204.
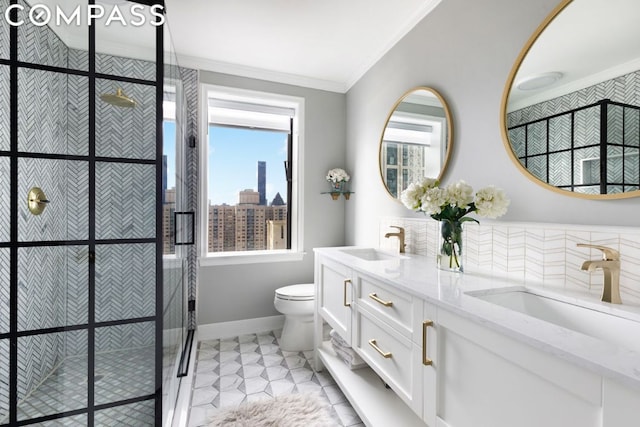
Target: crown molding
x=426 y=8
x=259 y=73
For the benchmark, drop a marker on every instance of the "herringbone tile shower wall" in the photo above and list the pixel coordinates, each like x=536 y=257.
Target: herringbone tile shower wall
x=53 y=280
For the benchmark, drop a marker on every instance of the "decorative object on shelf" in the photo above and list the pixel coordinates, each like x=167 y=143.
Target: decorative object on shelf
x=338 y=180
x=449 y=206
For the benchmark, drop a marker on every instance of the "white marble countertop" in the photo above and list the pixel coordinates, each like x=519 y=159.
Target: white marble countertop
x=419 y=276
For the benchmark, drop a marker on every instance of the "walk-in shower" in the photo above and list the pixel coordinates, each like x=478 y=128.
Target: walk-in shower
x=81 y=217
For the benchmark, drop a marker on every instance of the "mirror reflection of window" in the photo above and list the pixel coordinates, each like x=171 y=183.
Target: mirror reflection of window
x=416 y=140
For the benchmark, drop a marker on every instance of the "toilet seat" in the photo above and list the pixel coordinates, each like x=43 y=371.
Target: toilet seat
x=304 y=292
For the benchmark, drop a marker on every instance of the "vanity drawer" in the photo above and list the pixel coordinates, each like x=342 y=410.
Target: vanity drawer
x=396 y=359
x=394 y=307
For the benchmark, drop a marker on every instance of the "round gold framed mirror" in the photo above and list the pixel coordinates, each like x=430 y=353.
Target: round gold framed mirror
x=416 y=140
x=571 y=106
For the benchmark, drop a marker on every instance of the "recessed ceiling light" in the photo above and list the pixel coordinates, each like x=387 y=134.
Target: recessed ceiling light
x=538 y=81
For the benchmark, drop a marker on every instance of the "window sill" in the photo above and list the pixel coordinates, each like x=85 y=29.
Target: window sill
x=253 y=257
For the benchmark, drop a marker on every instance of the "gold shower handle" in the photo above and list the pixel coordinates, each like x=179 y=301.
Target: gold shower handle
x=36 y=200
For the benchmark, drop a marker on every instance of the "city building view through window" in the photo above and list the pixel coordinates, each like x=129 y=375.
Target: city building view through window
x=247 y=189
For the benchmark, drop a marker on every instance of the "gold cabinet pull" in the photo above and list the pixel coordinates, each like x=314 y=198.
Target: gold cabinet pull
x=377 y=299
x=386 y=355
x=425 y=360
x=344 y=295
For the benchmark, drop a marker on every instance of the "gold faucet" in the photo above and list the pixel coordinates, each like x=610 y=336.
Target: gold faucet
x=610 y=265
x=399 y=235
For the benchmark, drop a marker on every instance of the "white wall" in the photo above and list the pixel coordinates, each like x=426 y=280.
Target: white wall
x=237 y=292
x=465 y=50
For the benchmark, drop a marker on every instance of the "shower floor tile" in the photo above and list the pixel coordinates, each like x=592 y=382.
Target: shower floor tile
x=118 y=375
x=231 y=371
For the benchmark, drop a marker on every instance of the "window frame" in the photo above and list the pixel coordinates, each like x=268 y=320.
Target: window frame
x=180 y=166
x=295 y=201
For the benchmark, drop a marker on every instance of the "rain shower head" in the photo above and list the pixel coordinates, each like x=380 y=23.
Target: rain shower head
x=119 y=99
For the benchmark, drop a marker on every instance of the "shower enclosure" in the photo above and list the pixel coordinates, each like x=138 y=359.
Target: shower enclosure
x=82 y=286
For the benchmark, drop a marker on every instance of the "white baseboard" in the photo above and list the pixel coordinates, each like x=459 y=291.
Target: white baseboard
x=212 y=331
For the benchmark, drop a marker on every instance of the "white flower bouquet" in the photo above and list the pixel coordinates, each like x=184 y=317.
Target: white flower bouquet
x=338 y=175
x=450 y=205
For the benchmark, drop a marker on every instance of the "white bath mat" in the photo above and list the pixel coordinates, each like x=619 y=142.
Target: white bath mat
x=293 y=410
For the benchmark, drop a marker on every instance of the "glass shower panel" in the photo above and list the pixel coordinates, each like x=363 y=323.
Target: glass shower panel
x=587 y=127
x=4 y=381
x=5 y=283
x=124 y=361
x=615 y=165
x=126 y=50
x=135 y=414
x=560 y=168
x=52 y=44
x=125 y=201
x=615 y=124
x=54 y=120
x=126 y=131
x=52 y=286
x=560 y=133
x=65 y=184
x=537 y=139
x=125 y=281
x=586 y=166
x=538 y=167
x=52 y=378
x=517 y=137
x=632 y=127
x=632 y=166
x=4 y=38
x=4 y=106
x=5 y=227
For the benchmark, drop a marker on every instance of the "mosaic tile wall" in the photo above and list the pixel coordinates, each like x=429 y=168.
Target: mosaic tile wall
x=540 y=254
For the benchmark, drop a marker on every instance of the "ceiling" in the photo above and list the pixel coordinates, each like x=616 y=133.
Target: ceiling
x=590 y=41
x=325 y=44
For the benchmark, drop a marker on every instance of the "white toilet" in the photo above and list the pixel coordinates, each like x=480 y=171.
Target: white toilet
x=296 y=302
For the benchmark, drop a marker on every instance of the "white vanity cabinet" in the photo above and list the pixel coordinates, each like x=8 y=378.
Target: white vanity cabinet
x=440 y=358
x=334 y=295
x=489 y=379
x=387 y=336
x=389 y=392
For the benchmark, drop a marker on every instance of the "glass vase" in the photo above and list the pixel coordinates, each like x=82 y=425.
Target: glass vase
x=338 y=187
x=450 y=249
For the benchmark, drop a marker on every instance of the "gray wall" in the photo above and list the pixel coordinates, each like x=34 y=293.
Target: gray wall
x=236 y=292
x=465 y=50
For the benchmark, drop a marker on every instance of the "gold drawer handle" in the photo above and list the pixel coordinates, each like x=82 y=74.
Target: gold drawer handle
x=377 y=299
x=373 y=344
x=344 y=295
x=425 y=360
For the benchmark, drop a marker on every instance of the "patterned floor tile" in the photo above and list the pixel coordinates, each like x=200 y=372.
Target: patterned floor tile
x=252 y=367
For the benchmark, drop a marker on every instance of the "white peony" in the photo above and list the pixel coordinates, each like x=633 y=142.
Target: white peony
x=433 y=200
x=412 y=196
x=460 y=194
x=338 y=175
x=428 y=183
x=491 y=202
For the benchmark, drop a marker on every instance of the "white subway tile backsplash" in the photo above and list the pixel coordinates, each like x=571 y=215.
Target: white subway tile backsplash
x=540 y=253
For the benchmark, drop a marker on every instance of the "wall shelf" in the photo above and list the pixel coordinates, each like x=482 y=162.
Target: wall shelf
x=335 y=195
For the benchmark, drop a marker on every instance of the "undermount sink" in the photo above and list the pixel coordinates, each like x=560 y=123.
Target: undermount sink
x=371 y=254
x=611 y=326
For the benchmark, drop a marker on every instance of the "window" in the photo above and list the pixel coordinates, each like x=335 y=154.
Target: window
x=169 y=136
x=250 y=158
